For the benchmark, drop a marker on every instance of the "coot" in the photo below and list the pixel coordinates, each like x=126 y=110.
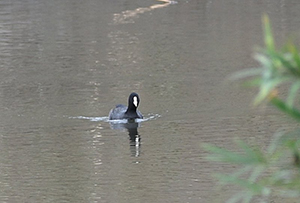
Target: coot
x=123 y=112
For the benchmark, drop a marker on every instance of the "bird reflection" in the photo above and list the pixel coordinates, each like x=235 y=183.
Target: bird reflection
x=134 y=137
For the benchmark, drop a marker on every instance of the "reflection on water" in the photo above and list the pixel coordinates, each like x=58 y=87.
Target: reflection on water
x=125 y=47
x=129 y=15
x=130 y=126
x=134 y=137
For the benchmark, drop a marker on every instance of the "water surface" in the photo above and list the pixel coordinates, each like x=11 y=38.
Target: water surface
x=64 y=65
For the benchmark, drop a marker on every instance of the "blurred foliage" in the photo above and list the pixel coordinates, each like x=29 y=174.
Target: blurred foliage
x=275 y=169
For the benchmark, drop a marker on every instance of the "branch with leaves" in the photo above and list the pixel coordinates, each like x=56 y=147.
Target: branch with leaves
x=276 y=169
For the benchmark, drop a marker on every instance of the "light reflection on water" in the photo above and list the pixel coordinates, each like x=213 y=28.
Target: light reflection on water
x=128 y=16
x=124 y=124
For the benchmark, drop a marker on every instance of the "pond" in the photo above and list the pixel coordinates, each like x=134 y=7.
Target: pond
x=65 y=64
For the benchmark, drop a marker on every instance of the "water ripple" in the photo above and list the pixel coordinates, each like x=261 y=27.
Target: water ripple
x=105 y=118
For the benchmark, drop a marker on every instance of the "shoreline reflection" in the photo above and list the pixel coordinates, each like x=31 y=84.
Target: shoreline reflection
x=128 y=15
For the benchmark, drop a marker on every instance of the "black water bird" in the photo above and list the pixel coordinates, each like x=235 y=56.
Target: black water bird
x=123 y=112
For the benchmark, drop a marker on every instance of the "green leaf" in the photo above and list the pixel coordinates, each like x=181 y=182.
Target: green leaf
x=286 y=108
x=293 y=93
x=255 y=188
x=250 y=156
x=246 y=73
x=269 y=42
x=254 y=82
x=295 y=53
x=263 y=60
x=239 y=197
x=284 y=63
x=266 y=88
x=290 y=193
x=293 y=135
x=254 y=153
x=256 y=173
x=274 y=145
x=223 y=155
